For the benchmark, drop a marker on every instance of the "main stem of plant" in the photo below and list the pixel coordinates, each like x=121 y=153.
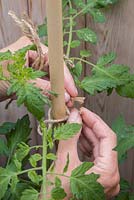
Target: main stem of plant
x=44 y=162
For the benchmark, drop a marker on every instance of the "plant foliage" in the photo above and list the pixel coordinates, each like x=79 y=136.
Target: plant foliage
x=19 y=181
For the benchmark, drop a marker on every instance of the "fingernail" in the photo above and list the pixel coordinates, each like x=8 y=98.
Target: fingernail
x=73 y=117
x=81 y=110
x=76 y=91
x=67 y=97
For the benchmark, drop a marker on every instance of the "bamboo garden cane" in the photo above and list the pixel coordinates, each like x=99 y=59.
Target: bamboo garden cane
x=56 y=64
x=55 y=44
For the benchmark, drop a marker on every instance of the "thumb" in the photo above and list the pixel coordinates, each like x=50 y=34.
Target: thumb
x=75 y=118
x=70 y=145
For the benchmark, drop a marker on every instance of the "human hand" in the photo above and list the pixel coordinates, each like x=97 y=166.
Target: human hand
x=69 y=84
x=101 y=140
x=97 y=137
x=43 y=84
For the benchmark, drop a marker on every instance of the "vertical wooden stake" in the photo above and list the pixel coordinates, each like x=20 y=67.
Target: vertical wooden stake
x=55 y=44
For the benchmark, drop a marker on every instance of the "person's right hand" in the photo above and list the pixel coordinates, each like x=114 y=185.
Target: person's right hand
x=98 y=141
x=97 y=137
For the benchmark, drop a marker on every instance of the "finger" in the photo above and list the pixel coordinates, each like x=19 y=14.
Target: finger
x=44 y=48
x=45 y=86
x=70 y=145
x=69 y=83
x=67 y=97
x=72 y=142
x=113 y=192
x=31 y=56
x=85 y=145
x=70 y=104
x=94 y=122
x=85 y=155
x=75 y=117
x=106 y=136
x=91 y=137
x=83 y=149
x=109 y=173
x=68 y=80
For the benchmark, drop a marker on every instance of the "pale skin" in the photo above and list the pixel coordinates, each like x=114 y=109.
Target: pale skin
x=96 y=139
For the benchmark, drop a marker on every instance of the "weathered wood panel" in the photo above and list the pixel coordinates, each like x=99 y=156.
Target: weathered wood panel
x=117 y=35
x=8 y=30
x=9 y=33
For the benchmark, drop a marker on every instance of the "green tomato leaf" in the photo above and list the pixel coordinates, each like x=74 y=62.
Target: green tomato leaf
x=51 y=156
x=14 y=182
x=34 y=177
x=105 y=3
x=104 y=78
x=19 y=134
x=126 y=90
x=82 y=169
x=16 y=163
x=85 y=186
x=5 y=178
x=67 y=164
x=87 y=35
x=10 y=195
x=22 y=151
x=50 y=139
x=106 y=59
x=66 y=131
x=57 y=182
x=123 y=196
x=2 y=77
x=84 y=7
x=85 y=53
x=6 y=127
x=97 y=15
x=77 y=70
x=131 y=197
x=125 y=135
x=3 y=148
x=124 y=185
x=75 y=43
x=65 y=43
x=30 y=194
x=72 y=11
x=5 y=56
x=30 y=96
x=58 y=193
x=42 y=30
x=34 y=159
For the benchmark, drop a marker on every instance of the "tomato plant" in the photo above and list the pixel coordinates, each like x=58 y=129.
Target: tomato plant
x=19 y=182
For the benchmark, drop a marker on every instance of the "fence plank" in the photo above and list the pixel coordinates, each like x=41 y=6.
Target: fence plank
x=117 y=35
x=9 y=33
x=36 y=10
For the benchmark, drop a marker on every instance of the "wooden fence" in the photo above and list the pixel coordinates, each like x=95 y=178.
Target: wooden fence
x=117 y=35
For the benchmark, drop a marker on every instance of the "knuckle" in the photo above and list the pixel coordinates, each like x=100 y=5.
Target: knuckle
x=116 y=191
x=114 y=179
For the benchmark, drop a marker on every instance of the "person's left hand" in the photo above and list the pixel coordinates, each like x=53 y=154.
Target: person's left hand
x=44 y=84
